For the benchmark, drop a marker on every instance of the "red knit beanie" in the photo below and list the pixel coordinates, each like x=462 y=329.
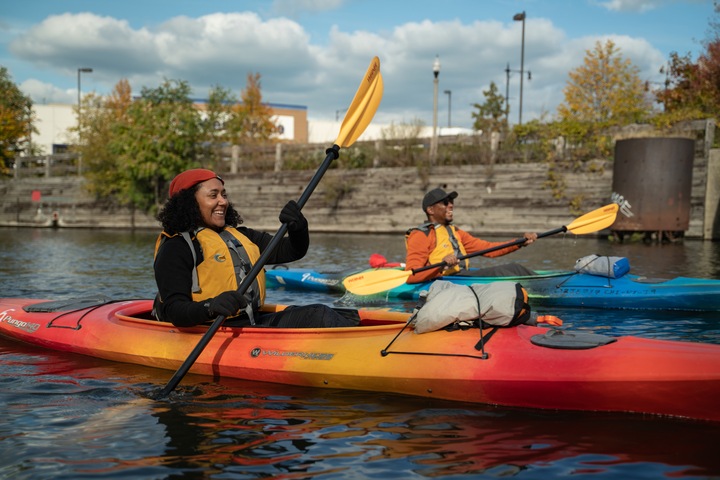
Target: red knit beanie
x=190 y=178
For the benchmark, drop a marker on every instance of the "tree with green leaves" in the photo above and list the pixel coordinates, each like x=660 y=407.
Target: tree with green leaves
x=133 y=148
x=102 y=117
x=491 y=115
x=160 y=140
x=605 y=90
x=215 y=121
x=16 y=122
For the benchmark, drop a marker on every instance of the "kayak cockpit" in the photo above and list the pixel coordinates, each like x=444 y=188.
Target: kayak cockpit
x=68 y=304
x=140 y=312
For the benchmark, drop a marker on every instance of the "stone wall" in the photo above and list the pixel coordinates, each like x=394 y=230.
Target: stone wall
x=504 y=199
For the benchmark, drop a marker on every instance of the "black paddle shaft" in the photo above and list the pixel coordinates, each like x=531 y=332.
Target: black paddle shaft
x=332 y=154
x=519 y=241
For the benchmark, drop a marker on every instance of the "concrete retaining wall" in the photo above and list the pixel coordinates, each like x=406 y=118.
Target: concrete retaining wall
x=505 y=199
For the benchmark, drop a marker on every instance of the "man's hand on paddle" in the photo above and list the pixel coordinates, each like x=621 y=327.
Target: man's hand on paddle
x=451 y=260
x=530 y=237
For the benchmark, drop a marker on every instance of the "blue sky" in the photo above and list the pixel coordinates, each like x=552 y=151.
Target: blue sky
x=314 y=52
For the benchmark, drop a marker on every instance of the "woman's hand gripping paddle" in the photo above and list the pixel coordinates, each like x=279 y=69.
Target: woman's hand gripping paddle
x=358 y=117
x=376 y=281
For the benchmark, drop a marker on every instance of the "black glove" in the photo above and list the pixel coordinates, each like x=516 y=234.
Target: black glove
x=294 y=218
x=227 y=304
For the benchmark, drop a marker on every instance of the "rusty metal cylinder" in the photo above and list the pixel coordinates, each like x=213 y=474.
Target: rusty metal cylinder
x=654 y=177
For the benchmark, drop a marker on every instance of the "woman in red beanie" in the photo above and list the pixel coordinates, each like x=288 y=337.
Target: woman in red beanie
x=203 y=255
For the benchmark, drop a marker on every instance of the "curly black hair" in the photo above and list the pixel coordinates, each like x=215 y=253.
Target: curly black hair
x=181 y=213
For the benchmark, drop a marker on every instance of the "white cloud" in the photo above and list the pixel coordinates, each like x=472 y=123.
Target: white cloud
x=44 y=93
x=640 y=5
x=222 y=48
x=66 y=42
x=630 y=5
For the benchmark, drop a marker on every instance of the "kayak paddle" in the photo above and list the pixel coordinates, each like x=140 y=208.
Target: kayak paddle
x=376 y=281
x=358 y=117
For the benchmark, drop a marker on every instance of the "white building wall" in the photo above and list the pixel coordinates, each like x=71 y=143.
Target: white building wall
x=320 y=131
x=53 y=123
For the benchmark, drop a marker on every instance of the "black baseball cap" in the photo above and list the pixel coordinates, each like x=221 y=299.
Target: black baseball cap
x=436 y=195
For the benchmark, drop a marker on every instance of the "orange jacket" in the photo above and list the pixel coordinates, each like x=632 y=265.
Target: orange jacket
x=421 y=243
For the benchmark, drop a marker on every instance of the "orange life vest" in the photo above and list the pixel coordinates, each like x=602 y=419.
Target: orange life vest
x=446 y=242
x=228 y=256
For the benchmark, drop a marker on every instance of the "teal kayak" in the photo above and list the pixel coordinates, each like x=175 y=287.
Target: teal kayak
x=566 y=288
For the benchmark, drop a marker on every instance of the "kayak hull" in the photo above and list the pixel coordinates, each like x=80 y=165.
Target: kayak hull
x=565 y=289
x=383 y=355
x=305 y=279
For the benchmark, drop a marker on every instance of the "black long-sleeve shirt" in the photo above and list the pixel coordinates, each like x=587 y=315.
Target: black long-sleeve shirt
x=174 y=266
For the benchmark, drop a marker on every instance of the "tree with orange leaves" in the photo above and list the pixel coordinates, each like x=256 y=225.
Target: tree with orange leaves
x=252 y=121
x=605 y=90
x=692 y=89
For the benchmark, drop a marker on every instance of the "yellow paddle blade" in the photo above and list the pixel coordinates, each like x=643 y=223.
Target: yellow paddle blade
x=375 y=281
x=594 y=221
x=363 y=107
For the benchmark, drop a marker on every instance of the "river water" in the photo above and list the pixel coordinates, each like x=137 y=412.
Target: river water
x=69 y=416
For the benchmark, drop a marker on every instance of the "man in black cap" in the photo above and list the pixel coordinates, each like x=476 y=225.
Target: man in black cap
x=438 y=240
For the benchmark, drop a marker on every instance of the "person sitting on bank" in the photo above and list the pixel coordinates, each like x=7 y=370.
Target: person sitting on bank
x=203 y=255
x=438 y=240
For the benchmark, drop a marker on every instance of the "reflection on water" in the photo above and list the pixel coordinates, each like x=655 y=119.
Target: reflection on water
x=68 y=416
x=49 y=263
x=61 y=263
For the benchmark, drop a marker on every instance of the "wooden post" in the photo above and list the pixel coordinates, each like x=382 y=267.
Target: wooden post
x=278 y=157
x=234 y=158
x=494 y=145
x=711 y=223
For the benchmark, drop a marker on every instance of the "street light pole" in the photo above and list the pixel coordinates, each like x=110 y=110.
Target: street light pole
x=507 y=95
x=80 y=70
x=449 y=94
x=520 y=17
x=507 y=91
x=434 y=140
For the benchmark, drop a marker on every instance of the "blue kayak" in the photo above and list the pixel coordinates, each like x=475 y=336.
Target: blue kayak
x=306 y=279
x=565 y=288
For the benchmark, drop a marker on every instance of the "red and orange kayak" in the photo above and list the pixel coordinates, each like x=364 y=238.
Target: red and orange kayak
x=520 y=367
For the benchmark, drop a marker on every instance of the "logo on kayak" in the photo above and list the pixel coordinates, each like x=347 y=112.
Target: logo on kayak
x=21 y=324
x=260 y=352
x=219 y=257
x=308 y=277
